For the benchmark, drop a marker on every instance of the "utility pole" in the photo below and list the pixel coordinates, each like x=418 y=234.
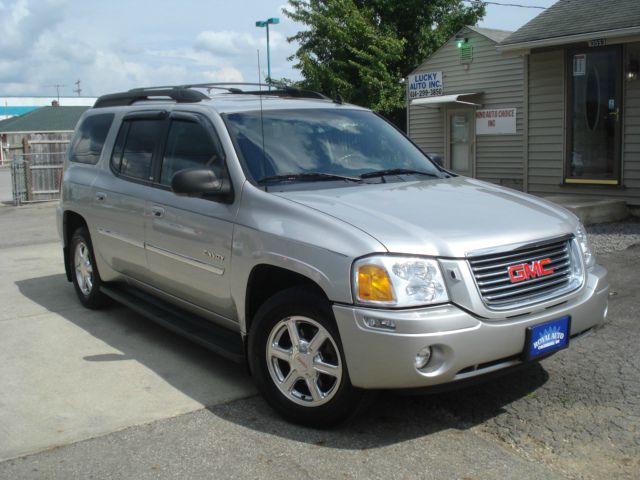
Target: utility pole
x=78 y=90
x=57 y=87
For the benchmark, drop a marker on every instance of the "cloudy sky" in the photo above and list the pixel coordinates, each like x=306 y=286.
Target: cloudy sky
x=120 y=44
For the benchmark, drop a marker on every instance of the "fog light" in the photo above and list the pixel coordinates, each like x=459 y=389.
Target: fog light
x=423 y=357
x=381 y=323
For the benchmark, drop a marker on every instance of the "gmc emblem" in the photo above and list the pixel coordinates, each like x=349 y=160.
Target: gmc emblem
x=519 y=273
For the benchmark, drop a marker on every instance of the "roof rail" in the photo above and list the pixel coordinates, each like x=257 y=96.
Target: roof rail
x=187 y=94
x=281 y=89
x=180 y=94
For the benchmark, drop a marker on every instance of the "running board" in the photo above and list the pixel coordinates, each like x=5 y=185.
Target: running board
x=197 y=329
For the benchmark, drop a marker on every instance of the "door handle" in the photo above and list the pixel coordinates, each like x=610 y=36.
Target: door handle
x=100 y=196
x=157 y=212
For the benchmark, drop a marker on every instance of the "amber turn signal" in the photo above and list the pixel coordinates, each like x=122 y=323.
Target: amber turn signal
x=374 y=284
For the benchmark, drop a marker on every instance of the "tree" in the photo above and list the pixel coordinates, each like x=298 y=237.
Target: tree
x=362 y=49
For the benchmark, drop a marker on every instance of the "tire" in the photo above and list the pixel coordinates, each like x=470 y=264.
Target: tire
x=305 y=379
x=84 y=271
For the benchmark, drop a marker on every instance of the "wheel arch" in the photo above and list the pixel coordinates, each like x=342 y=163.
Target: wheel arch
x=265 y=280
x=71 y=221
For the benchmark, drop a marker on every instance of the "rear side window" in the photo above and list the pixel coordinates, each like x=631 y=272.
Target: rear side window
x=190 y=145
x=134 y=148
x=89 y=139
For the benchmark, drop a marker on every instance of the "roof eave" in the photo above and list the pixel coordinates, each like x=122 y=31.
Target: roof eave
x=8 y=132
x=556 y=41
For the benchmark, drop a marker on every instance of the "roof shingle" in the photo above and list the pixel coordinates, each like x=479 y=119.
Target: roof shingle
x=491 y=33
x=574 y=17
x=44 y=119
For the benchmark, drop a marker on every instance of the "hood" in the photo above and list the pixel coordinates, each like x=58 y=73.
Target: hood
x=446 y=217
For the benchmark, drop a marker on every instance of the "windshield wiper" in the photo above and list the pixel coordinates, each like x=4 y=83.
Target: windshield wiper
x=307 y=176
x=397 y=171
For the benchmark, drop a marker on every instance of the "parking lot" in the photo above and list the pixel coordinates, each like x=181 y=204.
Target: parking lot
x=111 y=395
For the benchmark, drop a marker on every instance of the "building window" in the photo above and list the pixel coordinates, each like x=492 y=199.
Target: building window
x=594 y=114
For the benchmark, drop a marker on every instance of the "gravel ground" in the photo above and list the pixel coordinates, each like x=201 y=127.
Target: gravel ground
x=612 y=237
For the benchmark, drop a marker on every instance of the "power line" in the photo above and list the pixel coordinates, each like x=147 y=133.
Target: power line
x=509 y=5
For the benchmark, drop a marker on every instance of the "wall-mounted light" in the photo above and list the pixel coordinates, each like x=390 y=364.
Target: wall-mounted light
x=465 y=50
x=633 y=69
x=461 y=41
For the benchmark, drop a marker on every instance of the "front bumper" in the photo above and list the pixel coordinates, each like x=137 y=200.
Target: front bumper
x=463 y=345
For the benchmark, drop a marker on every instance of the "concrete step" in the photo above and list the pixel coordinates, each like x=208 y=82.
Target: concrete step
x=592 y=210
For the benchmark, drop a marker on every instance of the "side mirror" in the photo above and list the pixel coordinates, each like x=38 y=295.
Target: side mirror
x=199 y=182
x=437 y=159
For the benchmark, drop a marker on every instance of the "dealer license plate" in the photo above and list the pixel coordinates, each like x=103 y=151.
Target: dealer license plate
x=546 y=338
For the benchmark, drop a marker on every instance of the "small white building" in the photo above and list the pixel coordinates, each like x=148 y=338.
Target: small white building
x=465 y=105
x=552 y=109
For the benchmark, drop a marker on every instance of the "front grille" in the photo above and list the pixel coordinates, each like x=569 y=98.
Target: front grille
x=496 y=287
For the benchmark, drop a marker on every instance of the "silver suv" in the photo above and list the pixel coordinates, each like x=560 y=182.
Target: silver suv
x=314 y=240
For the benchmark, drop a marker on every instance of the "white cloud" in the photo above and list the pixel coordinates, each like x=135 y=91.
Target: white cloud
x=23 y=23
x=229 y=43
x=225 y=74
x=46 y=42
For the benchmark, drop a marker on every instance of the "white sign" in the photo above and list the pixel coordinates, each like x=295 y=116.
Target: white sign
x=425 y=84
x=498 y=121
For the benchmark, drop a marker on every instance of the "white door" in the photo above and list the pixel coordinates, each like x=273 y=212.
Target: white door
x=461 y=138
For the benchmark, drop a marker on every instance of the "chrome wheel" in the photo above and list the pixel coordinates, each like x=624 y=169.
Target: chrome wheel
x=304 y=361
x=84 y=268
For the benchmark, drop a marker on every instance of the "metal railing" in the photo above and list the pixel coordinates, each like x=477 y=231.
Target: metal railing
x=36 y=177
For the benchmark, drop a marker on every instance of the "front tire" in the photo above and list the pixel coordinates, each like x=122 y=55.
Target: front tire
x=297 y=358
x=85 y=276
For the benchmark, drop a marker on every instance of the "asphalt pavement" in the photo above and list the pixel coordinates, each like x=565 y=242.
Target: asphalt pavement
x=131 y=400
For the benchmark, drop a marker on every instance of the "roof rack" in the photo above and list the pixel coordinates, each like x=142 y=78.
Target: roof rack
x=281 y=89
x=179 y=94
x=187 y=94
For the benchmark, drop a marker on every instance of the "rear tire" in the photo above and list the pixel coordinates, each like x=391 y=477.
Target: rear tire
x=297 y=359
x=84 y=271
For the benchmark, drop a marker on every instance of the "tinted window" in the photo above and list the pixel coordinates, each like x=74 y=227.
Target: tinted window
x=344 y=142
x=89 y=139
x=190 y=145
x=132 y=156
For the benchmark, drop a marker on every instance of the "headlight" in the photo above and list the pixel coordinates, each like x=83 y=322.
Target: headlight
x=388 y=280
x=585 y=247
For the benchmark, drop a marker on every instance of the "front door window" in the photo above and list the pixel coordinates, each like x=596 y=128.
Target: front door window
x=594 y=113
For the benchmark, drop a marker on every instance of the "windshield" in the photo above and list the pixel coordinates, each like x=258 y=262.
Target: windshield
x=326 y=141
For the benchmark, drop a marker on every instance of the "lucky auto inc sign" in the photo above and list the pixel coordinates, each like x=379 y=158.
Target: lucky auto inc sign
x=496 y=121
x=425 y=84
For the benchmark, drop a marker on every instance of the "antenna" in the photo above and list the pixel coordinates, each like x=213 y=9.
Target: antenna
x=264 y=153
x=259 y=80
x=77 y=90
x=57 y=87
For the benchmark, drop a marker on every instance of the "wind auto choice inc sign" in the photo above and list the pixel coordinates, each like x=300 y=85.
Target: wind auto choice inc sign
x=497 y=121
x=425 y=84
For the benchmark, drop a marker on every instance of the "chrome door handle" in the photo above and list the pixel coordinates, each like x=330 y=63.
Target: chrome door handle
x=157 y=211
x=100 y=196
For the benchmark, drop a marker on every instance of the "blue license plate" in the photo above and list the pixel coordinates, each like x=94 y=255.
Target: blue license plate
x=547 y=338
